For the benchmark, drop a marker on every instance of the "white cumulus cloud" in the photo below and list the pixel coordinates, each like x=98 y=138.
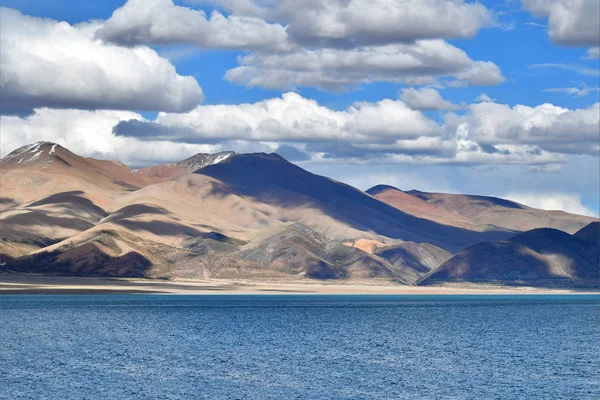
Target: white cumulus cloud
x=89 y=133
x=46 y=63
x=336 y=69
x=570 y=22
x=289 y=118
x=552 y=128
x=385 y=131
x=313 y=23
x=345 y=23
x=332 y=45
x=163 y=22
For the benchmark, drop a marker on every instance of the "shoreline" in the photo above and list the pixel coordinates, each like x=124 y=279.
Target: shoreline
x=40 y=284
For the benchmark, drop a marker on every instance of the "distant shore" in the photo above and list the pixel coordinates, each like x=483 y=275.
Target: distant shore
x=38 y=284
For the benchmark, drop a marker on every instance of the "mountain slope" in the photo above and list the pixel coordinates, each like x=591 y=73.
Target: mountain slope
x=37 y=224
x=591 y=235
x=590 y=232
x=44 y=169
x=287 y=252
x=419 y=208
x=103 y=253
x=248 y=216
x=327 y=206
x=538 y=257
x=413 y=259
x=485 y=210
x=50 y=194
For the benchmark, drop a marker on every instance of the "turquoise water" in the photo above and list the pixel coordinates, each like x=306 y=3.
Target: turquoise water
x=299 y=347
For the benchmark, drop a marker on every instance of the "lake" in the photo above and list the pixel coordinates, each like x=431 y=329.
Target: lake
x=299 y=347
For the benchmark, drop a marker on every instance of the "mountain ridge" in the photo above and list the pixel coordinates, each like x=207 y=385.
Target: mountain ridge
x=482 y=212
x=219 y=216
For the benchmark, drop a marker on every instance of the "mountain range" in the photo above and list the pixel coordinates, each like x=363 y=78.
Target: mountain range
x=258 y=216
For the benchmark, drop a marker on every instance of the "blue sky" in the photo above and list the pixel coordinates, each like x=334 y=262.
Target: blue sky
x=532 y=58
x=516 y=48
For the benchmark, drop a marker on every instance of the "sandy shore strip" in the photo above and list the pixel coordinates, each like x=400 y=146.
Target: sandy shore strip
x=36 y=284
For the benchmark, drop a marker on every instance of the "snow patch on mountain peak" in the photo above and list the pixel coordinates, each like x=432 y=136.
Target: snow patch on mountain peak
x=201 y=160
x=31 y=152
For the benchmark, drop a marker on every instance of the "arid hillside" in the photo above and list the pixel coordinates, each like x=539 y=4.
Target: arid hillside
x=227 y=215
x=477 y=213
x=540 y=257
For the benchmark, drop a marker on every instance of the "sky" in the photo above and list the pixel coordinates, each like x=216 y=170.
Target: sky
x=495 y=98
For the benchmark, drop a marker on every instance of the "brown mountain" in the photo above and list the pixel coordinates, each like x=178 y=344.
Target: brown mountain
x=291 y=250
x=538 y=257
x=67 y=214
x=49 y=194
x=44 y=168
x=478 y=213
x=418 y=207
x=327 y=206
x=250 y=216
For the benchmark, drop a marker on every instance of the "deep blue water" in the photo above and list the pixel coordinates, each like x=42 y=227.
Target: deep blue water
x=299 y=347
